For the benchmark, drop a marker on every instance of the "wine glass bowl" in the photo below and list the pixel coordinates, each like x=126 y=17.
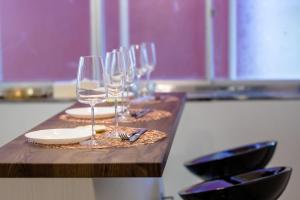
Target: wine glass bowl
x=140 y=67
x=129 y=78
x=149 y=56
x=137 y=52
x=149 y=61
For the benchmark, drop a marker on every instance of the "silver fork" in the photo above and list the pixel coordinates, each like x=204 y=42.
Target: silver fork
x=135 y=135
x=123 y=136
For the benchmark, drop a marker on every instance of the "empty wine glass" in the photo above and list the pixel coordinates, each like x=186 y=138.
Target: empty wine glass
x=149 y=61
x=129 y=78
x=114 y=70
x=141 y=69
x=90 y=87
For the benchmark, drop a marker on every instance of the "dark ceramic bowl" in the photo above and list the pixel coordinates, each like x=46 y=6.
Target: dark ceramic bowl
x=262 y=184
x=234 y=161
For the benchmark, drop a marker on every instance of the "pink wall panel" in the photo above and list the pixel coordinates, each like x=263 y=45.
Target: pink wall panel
x=112 y=24
x=42 y=40
x=220 y=26
x=177 y=27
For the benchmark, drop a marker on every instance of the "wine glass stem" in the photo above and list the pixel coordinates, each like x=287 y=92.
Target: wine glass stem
x=139 y=87
x=116 y=114
x=148 y=82
x=93 y=121
x=127 y=100
x=123 y=103
x=148 y=76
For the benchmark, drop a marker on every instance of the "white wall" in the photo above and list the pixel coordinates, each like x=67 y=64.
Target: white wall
x=205 y=127
x=18 y=117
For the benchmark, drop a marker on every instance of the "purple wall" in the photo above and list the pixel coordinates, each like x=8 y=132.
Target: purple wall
x=221 y=19
x=42 y=40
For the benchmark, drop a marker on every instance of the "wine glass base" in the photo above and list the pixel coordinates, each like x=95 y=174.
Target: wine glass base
x=124 y=117
x=113 y=135
x=89 y=143
x=149 y=97
x=143 y=99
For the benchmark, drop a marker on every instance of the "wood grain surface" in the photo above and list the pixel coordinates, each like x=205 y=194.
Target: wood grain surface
x=19 y=158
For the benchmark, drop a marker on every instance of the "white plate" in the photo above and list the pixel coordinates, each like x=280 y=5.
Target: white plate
x=98 y=128
x=59 y=136
x=100 y=112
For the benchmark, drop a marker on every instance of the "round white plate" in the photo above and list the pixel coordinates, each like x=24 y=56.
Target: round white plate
x=98 y=128
x=100 y=112
x=59 y=136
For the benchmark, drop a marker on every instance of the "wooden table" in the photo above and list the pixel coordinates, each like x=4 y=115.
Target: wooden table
x=19 y=158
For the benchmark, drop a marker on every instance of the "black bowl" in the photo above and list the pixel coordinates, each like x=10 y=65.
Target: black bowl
x=262 y=184
x=234 y=161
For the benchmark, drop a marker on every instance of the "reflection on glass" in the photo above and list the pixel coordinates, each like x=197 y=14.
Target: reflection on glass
x=90 y=87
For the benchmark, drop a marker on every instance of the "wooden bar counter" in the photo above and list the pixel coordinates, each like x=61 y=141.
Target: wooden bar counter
x=20 y=158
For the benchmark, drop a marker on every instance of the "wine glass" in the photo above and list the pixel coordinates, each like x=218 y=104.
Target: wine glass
x=141 y=69
x=114 y=70
x=129 y=78
x=149 y=61
x=90 y=87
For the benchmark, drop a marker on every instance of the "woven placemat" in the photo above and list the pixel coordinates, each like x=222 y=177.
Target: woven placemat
x=149 y=137
x=156 y=100
x=154 y=115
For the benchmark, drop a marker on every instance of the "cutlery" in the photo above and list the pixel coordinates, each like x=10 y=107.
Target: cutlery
x=141 y=113
x=134 y=136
